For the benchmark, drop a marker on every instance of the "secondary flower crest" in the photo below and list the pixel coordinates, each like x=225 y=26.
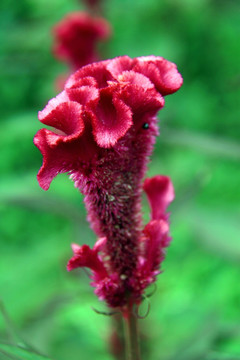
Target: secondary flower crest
x=153 y=240
x=77 y=36
x=105 y=121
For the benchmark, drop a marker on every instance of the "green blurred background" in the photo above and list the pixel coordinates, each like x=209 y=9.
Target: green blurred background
x=195 y=312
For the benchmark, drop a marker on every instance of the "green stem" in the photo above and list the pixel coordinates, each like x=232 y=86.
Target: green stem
x=131 y=335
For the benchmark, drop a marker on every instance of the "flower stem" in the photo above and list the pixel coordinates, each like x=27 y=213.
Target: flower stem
x=131 y=335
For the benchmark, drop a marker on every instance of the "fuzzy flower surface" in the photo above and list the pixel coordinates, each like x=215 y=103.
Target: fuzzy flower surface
x=77 y=37
x=105 y=128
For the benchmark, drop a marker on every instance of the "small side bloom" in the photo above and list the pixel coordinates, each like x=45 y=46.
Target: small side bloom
x=86 y=257
x=160 y=192
x=77 y=37
x=153 y=240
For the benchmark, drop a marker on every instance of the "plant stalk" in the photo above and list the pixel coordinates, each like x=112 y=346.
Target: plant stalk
x=131 y=334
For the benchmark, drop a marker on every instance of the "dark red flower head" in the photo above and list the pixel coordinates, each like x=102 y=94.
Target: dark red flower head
x=105 y=127
x=77 y=36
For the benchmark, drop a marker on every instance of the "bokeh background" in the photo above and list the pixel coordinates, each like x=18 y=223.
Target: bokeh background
x=195 y=311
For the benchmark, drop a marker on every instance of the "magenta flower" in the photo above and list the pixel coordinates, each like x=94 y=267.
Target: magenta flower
x=106 y=124
x=77 y=37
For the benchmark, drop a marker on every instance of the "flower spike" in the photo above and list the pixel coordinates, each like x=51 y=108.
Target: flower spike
x=105 y=125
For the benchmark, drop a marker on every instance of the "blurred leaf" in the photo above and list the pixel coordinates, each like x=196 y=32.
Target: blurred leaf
x=10 y=328
x=218 y=231
x=17 y=348
x=202 y=142
x=19 y=353
x=221 y=356
x=50 y=204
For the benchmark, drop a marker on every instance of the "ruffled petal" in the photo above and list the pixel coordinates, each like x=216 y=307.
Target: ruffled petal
x=84 y=95
x=62 y=153
x=134 y=78
x=163 y=74
x=86 y=257
x=72 y=83
x=51 y=105
x=52 y=165
x=138 y=92
x=100 y=244
x=107 y=287
x=141 y=101
x=66 y=117
x=112 y=119
x=56 y=159
x=98 y=71
x=156 y=239
x=160 y=194
x=120 y=64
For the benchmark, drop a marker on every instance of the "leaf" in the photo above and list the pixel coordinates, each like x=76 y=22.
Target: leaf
x=211 y=145
x=27 y=194
x=221 y=356
x=217 y=230
x=11 y=331
x=17 y=348
x=19 y=352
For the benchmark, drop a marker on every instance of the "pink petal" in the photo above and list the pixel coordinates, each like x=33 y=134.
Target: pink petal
x=171 y=78
x=76 y=248
x=73 y=82
x=62 y=153
x=98 y=71
x=52 y=104
x=86 y=257
x=66 y=117
x=156 y=232
x=141 y=100
x=100 y=244
x=135 y=78
x=138 y=92
x=56 y=156
x=160 y=193
x=83 y=95
x=120 y=64
x=51 y=166
x=112 y=119
x=163 y=74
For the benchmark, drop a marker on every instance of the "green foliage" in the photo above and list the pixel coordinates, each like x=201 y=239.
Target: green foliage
x=12 y=352
x=195 y=310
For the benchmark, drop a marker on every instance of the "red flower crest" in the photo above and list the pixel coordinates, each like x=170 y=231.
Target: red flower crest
x=106 y=124
x=77 y=36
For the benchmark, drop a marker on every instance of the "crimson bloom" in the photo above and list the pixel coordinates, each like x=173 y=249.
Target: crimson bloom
x=106 y=124
x=77 y=36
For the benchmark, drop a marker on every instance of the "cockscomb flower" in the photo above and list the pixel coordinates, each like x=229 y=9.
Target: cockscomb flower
x=106 y=124
x=77 y=37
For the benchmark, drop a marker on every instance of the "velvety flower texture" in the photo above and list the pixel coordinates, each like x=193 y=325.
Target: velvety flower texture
x=105 y=121
x=77 y=36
